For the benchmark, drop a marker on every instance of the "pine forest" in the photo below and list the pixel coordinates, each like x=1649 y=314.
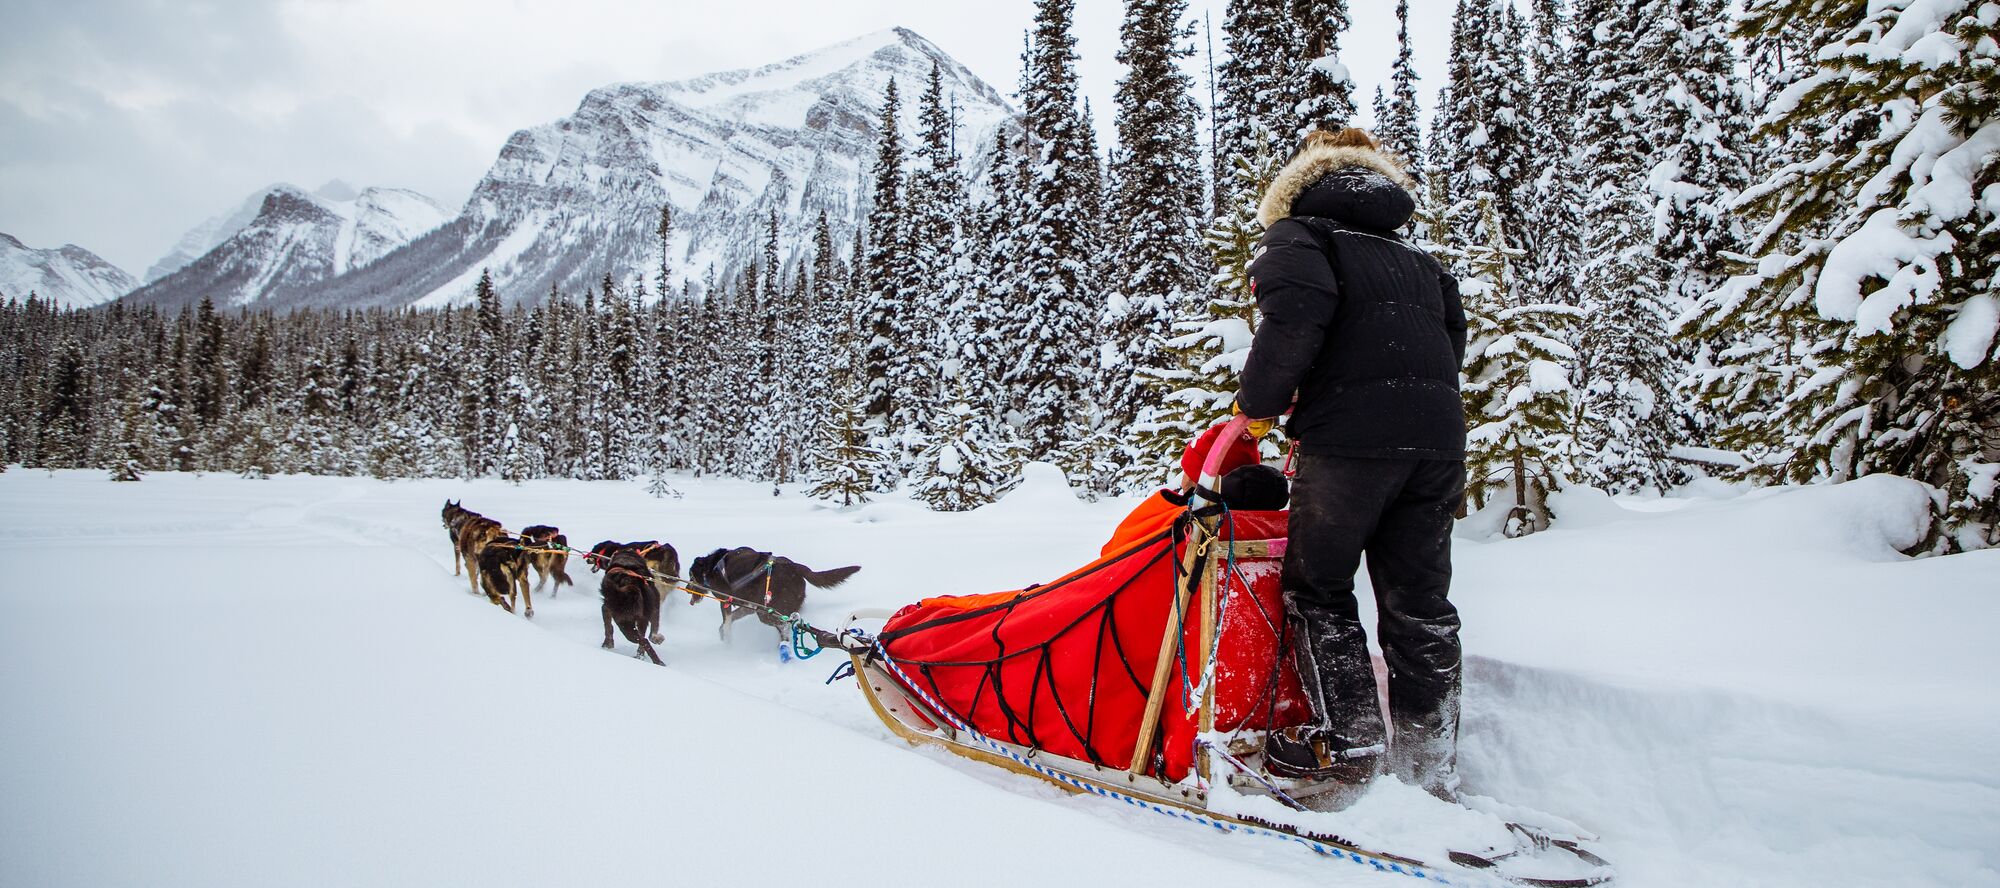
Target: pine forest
x=1759 y=244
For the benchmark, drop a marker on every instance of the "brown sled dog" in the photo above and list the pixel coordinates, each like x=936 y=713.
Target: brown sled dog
x=548 y=554
x=474 y=535
x=777 y=582
x=503 y=572
x=631 y=599
x=471 y=533
x=455 y=516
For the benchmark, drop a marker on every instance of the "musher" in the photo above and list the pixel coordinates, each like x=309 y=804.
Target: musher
x=1361 y=337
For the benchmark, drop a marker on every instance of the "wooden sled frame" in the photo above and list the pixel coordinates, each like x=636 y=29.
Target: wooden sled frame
x=916 y=724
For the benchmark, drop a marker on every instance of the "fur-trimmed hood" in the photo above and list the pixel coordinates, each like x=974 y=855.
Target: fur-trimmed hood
x=1370 y=190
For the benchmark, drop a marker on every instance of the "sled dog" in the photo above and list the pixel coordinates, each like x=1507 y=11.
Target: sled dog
x=631 y=602
x=658 y=557
x=503 y=572
x=774 y=581
x=548 y=555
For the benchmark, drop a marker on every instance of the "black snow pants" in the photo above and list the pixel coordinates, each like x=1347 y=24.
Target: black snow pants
x=1399 y=512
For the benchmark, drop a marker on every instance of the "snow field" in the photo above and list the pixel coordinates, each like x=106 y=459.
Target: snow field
x=218 y=681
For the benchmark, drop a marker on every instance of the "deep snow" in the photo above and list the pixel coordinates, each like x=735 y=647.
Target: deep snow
x=210 y=680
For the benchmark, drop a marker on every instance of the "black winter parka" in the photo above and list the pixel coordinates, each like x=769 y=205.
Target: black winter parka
x=1366 y=329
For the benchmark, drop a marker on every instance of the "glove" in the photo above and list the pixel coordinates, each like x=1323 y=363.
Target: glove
x=1258 y=428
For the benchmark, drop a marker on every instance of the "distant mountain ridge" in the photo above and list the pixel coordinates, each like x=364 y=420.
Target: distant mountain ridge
x=570 y=201
x=294 y=240
x=208 y=235
x=69 y=275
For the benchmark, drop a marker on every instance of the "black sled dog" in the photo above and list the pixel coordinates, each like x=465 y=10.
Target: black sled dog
x=631 y=601
x=777 y=582
x=659 y=558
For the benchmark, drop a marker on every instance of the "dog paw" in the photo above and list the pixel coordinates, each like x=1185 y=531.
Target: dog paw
x=607 y=646
x=529 y=613
x=657 y=638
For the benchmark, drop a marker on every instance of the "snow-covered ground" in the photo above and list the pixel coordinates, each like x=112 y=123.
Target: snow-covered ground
x=216 y=681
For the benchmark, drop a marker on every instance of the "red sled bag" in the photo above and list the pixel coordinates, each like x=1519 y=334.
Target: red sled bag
x=1067 y=667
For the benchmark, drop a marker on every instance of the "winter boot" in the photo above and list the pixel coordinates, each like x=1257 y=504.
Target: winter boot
x=1331 y=653
x=1316 y=755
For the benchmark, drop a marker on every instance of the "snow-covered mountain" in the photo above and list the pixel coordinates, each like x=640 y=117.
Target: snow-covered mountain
x=293 y=240
x=71 y=275
x=209 y=235
x=569 y=201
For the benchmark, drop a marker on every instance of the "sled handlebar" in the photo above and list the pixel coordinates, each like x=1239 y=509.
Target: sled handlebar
x=1212 y=463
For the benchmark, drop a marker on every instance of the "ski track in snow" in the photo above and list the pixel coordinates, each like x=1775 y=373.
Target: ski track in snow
x=212 y=681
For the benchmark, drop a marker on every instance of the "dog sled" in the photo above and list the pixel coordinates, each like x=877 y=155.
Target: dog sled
x=1152 y=675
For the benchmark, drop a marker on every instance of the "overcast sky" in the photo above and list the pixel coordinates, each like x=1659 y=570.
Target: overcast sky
x=123 y=124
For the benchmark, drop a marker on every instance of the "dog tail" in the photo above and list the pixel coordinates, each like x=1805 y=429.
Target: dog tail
x=827 y=579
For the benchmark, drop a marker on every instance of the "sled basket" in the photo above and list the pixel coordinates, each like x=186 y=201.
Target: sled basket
x=1123 y=662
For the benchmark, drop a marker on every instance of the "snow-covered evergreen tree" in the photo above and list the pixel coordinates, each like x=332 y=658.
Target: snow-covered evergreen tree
x=134 y=442
x=842 y=463
x=1329 y=88
x=1864 y=334
x=1155 y=210
x=1626 y=365
x=1519 y=446
x=1200 y=379
x=256 y=451
x=1262 y=82
x=934 y=217
x=1053 y=327
x=882 y=317
x=1699 y=164
x=967 y=463
x=993 y=285
x=1556 y=191
x=1396 y=124
x=1481 y=145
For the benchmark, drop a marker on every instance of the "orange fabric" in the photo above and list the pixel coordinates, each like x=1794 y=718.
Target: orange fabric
x=1154 y=515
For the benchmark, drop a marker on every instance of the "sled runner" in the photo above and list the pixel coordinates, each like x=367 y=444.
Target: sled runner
x=1152 y=675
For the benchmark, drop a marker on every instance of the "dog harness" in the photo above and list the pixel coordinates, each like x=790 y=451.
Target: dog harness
x=736 y=586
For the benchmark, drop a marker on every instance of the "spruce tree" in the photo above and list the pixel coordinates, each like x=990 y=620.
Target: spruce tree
x=1201 y=377
x=256 y=450
x=993 y=289
x=65 y=414
x=489 y=349
x=208 y=370
x=1863 y=333
x=1054 y=324
x=842 y=464
x=1519 y=445
x=1481 y=144
x=1262 y=83
x=968 y=463
x=934 y=215
x=881 y=315
x=1626 y=367
x=1155 y=208
x=1329 y=89
x=1557 y=195
x=664 y=233
x=1396 y=124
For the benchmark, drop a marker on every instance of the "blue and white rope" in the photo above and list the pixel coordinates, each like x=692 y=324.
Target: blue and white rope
x=1321 y=848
